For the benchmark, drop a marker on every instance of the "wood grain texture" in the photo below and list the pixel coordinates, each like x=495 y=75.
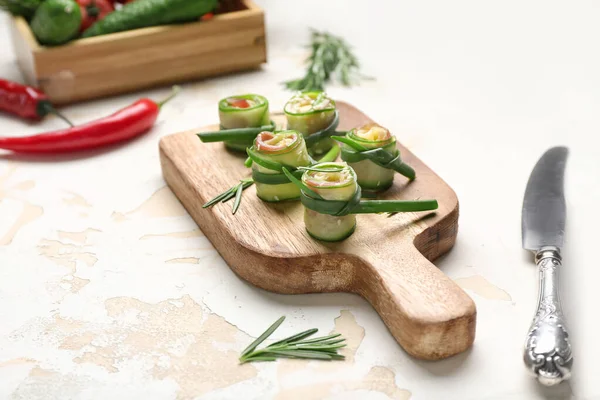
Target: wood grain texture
x=387 y=260
x=142 y=58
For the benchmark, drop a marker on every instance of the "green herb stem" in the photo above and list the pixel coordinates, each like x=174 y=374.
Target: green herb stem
x=233 y=134
x=405 y=170
x=385 y=159
x=325 y=133
x=174 y=92
x=385 y=206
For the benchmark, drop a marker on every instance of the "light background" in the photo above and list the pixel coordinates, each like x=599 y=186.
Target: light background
x=97 y=260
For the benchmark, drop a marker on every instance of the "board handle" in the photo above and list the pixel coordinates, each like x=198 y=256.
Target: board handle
x=429 y=315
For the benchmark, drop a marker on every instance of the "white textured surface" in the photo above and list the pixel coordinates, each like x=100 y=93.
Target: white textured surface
x=478 y=90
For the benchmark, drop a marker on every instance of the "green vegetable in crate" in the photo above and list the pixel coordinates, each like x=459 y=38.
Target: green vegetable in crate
x=311 y=112
x=245 y=111
x=145 y=13
x=56 y=21
x=371 y=151
x=331 y=197
x=20 y=8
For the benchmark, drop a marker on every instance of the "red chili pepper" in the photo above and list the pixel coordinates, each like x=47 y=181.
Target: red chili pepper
x=26 y=101
x=125 y=124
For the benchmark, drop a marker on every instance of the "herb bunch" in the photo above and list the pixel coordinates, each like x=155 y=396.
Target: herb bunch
x=295 y=346
x=331 y=56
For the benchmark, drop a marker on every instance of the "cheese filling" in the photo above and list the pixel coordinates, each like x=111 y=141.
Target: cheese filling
x=373 y=132
x=303 y=103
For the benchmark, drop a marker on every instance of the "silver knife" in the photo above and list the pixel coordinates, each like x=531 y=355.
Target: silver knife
x=547 y=348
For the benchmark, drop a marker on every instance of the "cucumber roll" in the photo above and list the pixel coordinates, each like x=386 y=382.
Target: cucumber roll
x=245 y=111
x=335 y=182
x=331 y=196
x=371 y=151
x=311 y=113
x=269 y=156
x=369 y=175
x=271 y=152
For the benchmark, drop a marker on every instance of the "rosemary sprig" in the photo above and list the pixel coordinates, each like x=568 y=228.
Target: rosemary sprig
x=330 y=56
x=233 y=192
x=295 y=346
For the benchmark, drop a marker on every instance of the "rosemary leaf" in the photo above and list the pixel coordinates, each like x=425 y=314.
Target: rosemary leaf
x=258 y=358
x=317 y=347
x=238 y=198
x=332 y=341
x=322 y=338
x=217 y=199
x=295 y=338
x=301 y=354
x=233 y=192
x=263 y=337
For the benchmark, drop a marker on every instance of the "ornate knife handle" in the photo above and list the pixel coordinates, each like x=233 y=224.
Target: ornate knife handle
x=547 y=348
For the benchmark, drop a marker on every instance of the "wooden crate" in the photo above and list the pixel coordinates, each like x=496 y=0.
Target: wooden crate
x=234 y=40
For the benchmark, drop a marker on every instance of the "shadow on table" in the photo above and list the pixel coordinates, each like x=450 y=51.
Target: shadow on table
x=561 y=392
x=450 y=366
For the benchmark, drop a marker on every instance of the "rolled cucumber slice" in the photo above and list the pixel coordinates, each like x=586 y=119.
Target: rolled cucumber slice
x=331 y=181
x=370 y=176
x=276 y=193
x=243 y=111
x=310 y=112
x=328 y=227
x=331 y=196
x=269 y=153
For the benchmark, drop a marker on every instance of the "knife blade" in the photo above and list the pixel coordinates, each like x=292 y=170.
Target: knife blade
x=544 y=210
x=547 y=347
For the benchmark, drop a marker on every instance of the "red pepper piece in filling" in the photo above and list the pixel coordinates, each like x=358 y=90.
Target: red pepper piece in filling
x=125 y=124
x=239 y=103
x=268 y=142
x=26 y=101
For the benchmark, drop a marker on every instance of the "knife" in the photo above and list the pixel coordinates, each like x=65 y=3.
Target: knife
x=547 y=347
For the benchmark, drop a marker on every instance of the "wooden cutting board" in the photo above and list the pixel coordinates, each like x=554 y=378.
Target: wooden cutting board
x=387 y=260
